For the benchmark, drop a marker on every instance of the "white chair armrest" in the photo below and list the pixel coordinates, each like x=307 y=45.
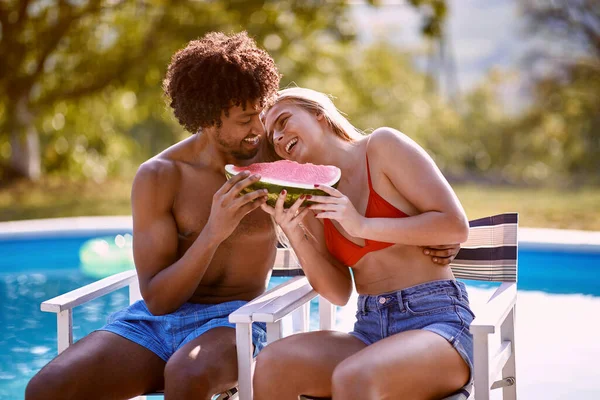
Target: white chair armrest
x=285 y=304
x=282 y=298
x=275 y=303
x=494 y=312
x=89 y=292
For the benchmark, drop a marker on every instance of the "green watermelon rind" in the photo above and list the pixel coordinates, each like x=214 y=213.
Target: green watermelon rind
x=293 y=193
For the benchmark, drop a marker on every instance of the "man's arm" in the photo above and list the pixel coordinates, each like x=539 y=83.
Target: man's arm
x=165 y=282
x=442 y=255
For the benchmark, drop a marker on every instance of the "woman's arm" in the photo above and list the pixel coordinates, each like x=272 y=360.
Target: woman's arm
x=415 y=176
x=440 y=218
x=326 y=275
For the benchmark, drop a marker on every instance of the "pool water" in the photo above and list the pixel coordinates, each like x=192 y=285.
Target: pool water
x=32 y=271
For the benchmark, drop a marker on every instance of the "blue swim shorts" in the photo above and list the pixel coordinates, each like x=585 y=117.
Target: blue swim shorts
x=165 y=334
x=441 y=307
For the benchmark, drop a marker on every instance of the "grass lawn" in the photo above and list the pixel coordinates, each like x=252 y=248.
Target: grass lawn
x=537 y=208
x=53 y=198
x=540 y=208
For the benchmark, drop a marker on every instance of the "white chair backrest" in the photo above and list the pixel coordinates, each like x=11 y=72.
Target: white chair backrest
x=490 y=252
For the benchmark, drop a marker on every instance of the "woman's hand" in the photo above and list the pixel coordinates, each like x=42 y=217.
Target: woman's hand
x=289 y=220
x=338 y=207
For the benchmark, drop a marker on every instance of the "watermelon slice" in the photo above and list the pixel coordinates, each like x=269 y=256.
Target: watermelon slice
x=297 y=179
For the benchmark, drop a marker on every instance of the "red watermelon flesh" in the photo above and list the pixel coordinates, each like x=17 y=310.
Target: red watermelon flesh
x=296 y=178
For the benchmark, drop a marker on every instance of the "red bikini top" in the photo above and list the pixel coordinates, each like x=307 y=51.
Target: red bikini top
x=348 y=252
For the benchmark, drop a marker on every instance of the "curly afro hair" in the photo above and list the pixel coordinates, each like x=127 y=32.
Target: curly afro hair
x=216 y=72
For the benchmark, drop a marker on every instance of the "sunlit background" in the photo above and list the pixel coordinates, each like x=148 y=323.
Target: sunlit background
x=502 y=93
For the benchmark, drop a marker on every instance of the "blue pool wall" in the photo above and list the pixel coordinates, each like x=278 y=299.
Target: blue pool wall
x=550 y=260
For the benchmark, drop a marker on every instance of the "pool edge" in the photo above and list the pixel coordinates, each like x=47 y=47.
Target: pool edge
x=530 y=238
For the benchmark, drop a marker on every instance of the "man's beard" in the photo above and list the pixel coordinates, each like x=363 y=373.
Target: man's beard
x=236 y=151
x=244 y=156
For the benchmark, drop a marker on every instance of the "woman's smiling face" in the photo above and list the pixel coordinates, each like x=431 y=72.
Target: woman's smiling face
x=295 y=132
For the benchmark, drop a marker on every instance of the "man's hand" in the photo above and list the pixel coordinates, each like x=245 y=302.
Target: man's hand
x=229 y=206
x=442 y=255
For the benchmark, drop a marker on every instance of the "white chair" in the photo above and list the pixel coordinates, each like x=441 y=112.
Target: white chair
x=63 y=305
x=490 y=254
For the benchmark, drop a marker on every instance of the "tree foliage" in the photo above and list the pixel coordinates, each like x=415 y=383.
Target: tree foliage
x=60 y=55
x=84 y=77
x=564 y=121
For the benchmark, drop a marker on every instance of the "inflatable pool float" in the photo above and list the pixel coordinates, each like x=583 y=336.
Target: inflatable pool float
x=104 y=256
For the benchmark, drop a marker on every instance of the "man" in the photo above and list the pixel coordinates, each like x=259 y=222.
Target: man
x=201 y=249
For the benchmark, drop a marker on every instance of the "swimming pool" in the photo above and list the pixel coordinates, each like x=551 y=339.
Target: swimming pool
x=35 y=267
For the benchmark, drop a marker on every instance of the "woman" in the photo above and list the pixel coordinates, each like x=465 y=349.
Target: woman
x=411 y=338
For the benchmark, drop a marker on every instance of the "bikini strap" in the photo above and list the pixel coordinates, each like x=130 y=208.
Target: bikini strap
x=368 y=169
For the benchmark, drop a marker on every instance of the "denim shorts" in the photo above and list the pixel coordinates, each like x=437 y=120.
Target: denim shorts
x=165 y=334
x=441 y=307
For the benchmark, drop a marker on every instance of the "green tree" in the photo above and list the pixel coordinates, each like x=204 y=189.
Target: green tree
x=56 y=53
x=564 y=121
x=378 y=85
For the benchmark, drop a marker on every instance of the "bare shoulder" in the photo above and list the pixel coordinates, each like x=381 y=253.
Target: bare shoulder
x=158 y=170
x=164 y=168
x=386 y=132
x=390 y=141
x=158 y=177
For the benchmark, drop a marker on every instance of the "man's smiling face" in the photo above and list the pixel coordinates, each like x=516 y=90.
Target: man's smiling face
x=241 y=131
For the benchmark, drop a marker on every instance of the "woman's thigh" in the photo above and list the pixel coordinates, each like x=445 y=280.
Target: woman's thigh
x=302 y=364
x=416 y=364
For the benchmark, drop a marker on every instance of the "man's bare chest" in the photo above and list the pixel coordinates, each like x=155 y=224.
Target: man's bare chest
x=192 y=209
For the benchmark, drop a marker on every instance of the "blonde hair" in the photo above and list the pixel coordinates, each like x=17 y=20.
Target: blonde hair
x=319 y=103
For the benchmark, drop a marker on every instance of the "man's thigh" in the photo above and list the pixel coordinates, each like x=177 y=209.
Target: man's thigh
x=102 y=365
x=211 y=356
